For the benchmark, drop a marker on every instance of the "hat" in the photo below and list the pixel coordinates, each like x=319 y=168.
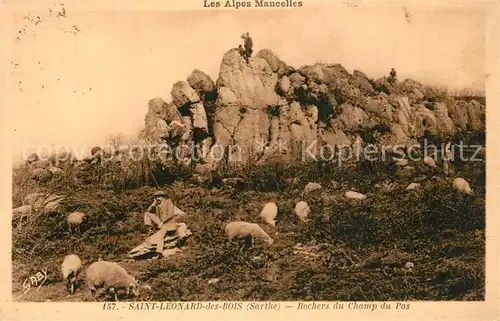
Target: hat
x=159 y=194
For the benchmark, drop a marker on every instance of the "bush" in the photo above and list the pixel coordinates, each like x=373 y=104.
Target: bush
x=430 y=105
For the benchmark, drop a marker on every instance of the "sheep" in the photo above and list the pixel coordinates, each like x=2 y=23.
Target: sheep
x=269 y=213
x=74 y=221
x=462 y=186
x=246 y=230
x=41 y=163
x=429 y=161
x=413 y=186
x=311 y=187
x=55 y=170
x=40 y=174
x=71 y=268
x=111 y=277
x=22 y=211
x=355 y=195
x=302 y=210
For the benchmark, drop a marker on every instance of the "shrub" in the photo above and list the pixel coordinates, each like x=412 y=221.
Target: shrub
x=430 y=105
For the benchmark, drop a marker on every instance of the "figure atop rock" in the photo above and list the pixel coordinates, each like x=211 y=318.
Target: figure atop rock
x=247 y=48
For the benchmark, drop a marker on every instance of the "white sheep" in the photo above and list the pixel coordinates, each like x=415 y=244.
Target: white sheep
x=111 y=277
x=42 y=163
x=71 y=268
x=311 y=187
x=302 y=210
x=355 y=195
x=413 y=186
x=269 y=213
x=429 y=161
x=40 y=174
x=55 y=170
x=462 y=185
x=22 y=211
x=246 y=230
x=74 y=221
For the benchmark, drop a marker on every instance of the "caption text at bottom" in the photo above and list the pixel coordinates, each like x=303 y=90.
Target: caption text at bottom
x=249 y=306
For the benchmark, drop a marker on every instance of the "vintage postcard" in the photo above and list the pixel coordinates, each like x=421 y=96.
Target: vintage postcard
x=250 y=159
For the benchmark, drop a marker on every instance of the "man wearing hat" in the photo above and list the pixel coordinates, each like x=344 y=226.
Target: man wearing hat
x=247 y=45
x=162 y=213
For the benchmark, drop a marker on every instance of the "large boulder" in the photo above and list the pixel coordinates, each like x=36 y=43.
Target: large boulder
x=253 y=84
x=201 y=82
x=199 y=117
x=467 y=115
x=156 y=129
x=276 y=64
x=183 y=94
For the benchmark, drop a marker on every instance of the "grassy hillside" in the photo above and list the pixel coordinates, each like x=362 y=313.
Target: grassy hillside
x=350 y=250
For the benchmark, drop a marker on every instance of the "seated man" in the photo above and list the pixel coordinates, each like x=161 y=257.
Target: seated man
x=162 y=213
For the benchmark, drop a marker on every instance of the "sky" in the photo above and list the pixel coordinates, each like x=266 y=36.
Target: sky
x=75 y=79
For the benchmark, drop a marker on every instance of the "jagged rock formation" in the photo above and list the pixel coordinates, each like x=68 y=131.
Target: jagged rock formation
x=265 y=110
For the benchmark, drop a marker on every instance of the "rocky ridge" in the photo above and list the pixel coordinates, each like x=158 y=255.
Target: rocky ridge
x=262 y=111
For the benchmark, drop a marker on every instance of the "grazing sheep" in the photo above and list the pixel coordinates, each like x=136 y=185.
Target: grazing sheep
x=311 y=187
x=40 y=174
x=413 y=186
x=269 y=213
x=74 y=221
x=22 y=211
x=302 y=210
x=71 y=268
x=55 y=170
x=429 y=161
x=355 y=195
x=462 y=186
x=111 y=277
x=246 y=230
x=42 y=163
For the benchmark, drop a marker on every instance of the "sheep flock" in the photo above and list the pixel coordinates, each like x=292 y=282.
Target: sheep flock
x=265 y=227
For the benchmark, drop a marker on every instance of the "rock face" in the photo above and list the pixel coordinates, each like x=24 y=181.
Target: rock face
x=265 y=110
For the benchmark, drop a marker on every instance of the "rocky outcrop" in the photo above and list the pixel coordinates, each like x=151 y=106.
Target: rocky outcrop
x=277 y=65
x=266 y=110
x=253 y=84
x=201 y=82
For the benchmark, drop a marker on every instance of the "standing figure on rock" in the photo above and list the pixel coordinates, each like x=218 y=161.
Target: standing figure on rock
x=247 y=48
